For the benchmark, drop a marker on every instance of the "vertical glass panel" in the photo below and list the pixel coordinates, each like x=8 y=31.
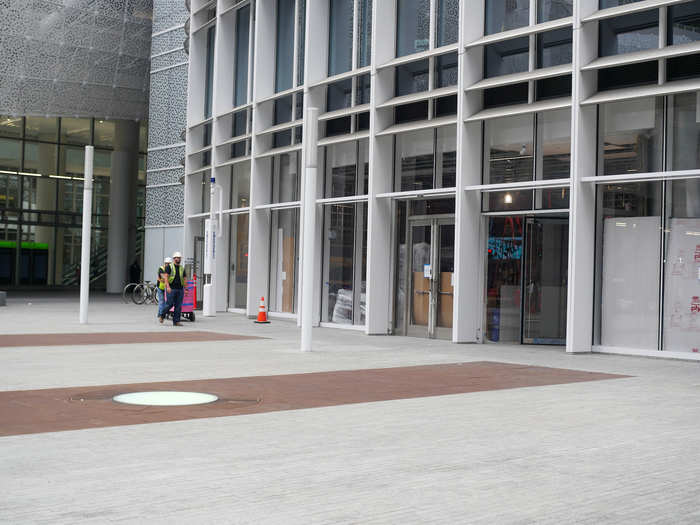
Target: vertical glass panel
x=446 y=268
x=104 y=133
x=239 y=124
x=421 y=242
x=339 y=95
x=10 y=154
x=545 y=280
x=341 y=169
x=10 y=192
x=209 y=73
x=299 y=106
x=414 y=160
x=684 y=131
x=412 y=78
x=284 y=241
x=553 y=9
x=447 y=20
x=364 y=30
x=10 y=126
x=502 y=15
x=503 y=278
x=682 y=267
x=629 y=255
x=38 y=128
x=71 y=161
x=242 y=53
x=75 y=131
x=100 y=197
x=285 y=182
x=684 y=23
x=631 y=136
x=554 y=47
x=283 y=110
x=340 y=36
x=412 y=26
x=284 y=57
x=446 y=70
x=240 y=185
x=446 y=153
x=238 y=261
x=504 y=58
x=554 y=155
x=629 y=33
x=340 y=261
x=364 y=166
x=143 y=136
x=362 y=95
x=301 y=44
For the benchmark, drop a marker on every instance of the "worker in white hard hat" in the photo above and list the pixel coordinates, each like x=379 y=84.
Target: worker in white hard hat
x=175 y=288
x=160 y=290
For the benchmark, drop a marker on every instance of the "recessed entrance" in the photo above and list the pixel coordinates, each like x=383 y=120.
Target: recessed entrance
x=526 y=281
x=165 y=398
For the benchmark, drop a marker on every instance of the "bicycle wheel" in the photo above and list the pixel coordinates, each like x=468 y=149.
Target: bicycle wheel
x=153 y=294
x=140 y=294
x=128 y=290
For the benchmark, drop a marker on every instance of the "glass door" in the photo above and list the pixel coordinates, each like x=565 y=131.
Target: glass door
x=431 y=278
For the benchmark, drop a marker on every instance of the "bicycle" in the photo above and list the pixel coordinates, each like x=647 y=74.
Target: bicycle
x=128 y=291
x=145 y=292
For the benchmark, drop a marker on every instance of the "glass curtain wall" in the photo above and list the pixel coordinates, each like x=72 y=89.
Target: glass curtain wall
x=284 y=245
x=238 y=246
x=242 y=54
x=364 y=31
x=209 y=74
x=340 y=36
x=647 y=244
x=447 y=19
x=425 y=159
x=412 y=26
x=502 y=15
x=284 y=56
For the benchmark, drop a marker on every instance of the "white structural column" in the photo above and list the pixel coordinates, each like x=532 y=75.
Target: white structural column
x=87 y=227
x=124 y=165
x=582 y=208
x=309 y=212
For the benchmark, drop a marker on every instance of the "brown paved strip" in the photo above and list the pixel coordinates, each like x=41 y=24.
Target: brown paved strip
x=107 y=338
x=33 y=411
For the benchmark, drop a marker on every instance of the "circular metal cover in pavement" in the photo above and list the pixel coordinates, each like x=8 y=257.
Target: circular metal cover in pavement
x=165 y=398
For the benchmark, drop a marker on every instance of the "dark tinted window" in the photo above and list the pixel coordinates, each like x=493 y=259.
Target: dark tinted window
x=554 y=48
x=629 y=33
x=411 y=78
x=630 y=75
x=506 y=95
x=446 y=70
x=339 y=95
x=410 y=112
x=509 y=56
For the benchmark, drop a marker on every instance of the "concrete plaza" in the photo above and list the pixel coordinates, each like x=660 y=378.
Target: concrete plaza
x=622 y=450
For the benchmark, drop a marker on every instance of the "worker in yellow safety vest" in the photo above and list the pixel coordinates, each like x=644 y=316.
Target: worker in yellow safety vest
x=175 y=288
x=160 y=291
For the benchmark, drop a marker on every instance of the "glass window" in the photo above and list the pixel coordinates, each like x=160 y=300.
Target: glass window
x=10 y=154
x=446 y=157
x=39 y=128
x=445 y=106
x=504 y=58
x=554 y=48
x=411 y=112
x=143 y=136
x=242 y=52
x=412 y=26
x=345 y=262
x=282 y=139
x=362 y=94
x=75 y=131
x=411 y=78
x=209 y=73
x=686 y=66
x=284 y=242
x=681 y=320
x=628 y=259
x=629 y=33
x=363 y=121
x=553 y=156
x=447 y=19
x=284 y=58
x=338 y=126
x=239 y=124
x=684 y=23
x=446 y=70
x=553 y=87
x=506 y=95
x=238 y=261
x=240 y=185
x=10 y=126
x=502 y=15
x=414 y=160
x=301 y=44
x=299 y=106
x=684 y=132
x=631 y=136
x=341 y=170
x=553 y=9
x=364 y=30
x=339 y=95
x=71 y=161
x=282 y=110
x=285 y=181
x=628 y=75
x=40 y=157
x=604 y=4
x=340 y=36
x=104 y=133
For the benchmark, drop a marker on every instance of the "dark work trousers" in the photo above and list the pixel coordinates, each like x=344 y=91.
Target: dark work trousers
x=174 y=299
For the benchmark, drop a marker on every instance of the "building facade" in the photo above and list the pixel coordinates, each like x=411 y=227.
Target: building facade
x=73 y=75
x=166 y=137
x=522 y=171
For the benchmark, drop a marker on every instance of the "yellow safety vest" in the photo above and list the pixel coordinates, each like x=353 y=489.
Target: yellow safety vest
x=171 y=274
x=161 y=284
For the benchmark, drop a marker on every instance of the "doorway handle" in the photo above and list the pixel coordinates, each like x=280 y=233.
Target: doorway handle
x=446 y=293
x=422 y=292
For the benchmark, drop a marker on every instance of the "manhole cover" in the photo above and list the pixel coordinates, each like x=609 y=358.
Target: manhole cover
x=165 y=398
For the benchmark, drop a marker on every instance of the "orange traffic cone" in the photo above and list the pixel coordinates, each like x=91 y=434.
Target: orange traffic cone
x=262 y=314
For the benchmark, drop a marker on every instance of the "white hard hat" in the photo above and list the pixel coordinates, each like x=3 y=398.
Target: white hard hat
x=177 y=254
x=168 y=260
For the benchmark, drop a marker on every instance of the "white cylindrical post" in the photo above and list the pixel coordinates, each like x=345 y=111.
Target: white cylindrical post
x=309 y=212
x=85 y=243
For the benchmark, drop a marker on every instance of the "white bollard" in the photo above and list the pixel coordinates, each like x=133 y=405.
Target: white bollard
x=85 y=242
x=309 y=210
